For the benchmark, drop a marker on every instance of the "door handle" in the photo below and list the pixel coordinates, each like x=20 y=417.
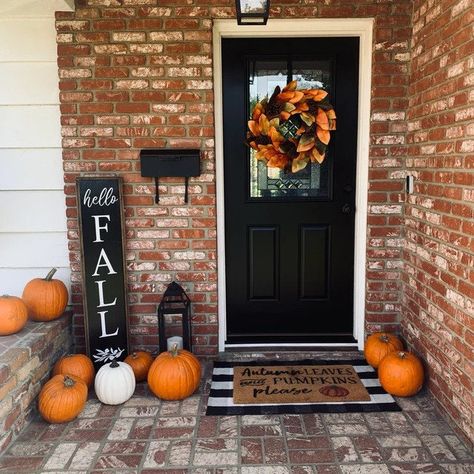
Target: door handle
x=346 y=208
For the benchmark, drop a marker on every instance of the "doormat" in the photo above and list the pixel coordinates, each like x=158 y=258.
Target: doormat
x=297 y=384
x=227 y=374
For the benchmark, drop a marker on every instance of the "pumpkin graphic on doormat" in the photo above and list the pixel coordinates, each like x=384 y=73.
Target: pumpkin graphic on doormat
x=334 y=391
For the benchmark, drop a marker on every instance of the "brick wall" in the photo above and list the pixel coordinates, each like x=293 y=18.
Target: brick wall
x=439 y=276
x=138 y=73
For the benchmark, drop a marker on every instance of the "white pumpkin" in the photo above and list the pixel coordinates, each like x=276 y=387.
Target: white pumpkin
x=114 y=383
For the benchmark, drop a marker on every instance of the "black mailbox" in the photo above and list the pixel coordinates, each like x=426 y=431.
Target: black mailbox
x=170 y=162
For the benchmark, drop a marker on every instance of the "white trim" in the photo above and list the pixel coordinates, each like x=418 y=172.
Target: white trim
x=26 y=9
x=360 y=27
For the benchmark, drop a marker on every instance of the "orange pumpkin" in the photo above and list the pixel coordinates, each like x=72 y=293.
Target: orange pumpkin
x=401 y=374
x=13 y=315
x=46 y=298
x=140 y=363
x=62 y=398
x=78 y=365
x=174 y=375
x=378 y=345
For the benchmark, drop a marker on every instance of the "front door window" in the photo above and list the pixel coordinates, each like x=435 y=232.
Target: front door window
x=272 y=183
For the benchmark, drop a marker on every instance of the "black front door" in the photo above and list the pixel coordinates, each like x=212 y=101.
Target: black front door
x=289 y=236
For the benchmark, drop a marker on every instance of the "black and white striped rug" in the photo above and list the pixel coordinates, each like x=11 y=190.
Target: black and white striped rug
x=221 y=395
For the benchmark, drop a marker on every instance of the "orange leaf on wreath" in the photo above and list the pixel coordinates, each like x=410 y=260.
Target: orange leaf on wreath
x=297 y=96
x=299 y=163
x=276 y=138
x=285 y=96
x=264 y=124
x=306 y=142
x=291 y=86
x=300 y=108
x=254 y=128
x=257 y=111
x=316 y=94
x=323 y=135
x=316 y=156
x=322 y=119
x=278 y=161
x=332 y=119
x=308 y=119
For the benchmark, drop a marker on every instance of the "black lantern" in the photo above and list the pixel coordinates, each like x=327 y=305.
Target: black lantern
x=175 y=301
x=252 y=12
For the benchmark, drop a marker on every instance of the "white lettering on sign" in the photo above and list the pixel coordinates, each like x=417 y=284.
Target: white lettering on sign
x=99 y=227
x=102 y=326
x=106 y=197
x=102 y=303
x=103 y=256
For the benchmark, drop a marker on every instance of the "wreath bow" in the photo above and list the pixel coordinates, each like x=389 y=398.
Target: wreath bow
x=292 y=128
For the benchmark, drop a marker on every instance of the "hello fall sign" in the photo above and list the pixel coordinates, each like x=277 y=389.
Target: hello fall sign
x=105 y=304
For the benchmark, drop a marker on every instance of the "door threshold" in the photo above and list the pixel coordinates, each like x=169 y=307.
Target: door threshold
x=293 y=346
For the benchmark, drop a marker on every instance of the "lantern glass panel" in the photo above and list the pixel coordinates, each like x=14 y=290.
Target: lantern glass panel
x=252 y=12
x=253 y=6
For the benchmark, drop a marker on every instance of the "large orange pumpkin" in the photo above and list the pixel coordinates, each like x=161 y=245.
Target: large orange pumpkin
x=174 y=375
x=46 y=298
x=140 y=363
x=62 y=398
x=76 y=364
x=401 y=373
x=13 y=315
x=378 y=345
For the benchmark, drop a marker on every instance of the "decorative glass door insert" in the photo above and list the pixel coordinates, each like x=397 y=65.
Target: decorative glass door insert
x=314 y=181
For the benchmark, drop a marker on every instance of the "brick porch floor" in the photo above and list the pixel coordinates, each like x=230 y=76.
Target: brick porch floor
x=151 y=436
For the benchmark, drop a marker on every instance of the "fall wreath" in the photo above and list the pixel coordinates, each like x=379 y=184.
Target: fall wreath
x=292 y=127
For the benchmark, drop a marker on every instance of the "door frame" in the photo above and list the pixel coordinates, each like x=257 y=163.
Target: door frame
x=358 y=27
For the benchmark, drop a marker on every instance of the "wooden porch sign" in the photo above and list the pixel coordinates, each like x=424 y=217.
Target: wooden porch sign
x=103 y=268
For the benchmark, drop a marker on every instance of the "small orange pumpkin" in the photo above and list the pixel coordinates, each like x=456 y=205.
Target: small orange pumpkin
x=45 y=298
x=13 y=315
x=378 y=345
x=78 y=365
x=401 y=374
x=62 y=398
x=174 y=375
x=140 y=363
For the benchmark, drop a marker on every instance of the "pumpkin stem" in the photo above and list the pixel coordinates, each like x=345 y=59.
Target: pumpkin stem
x=68 y=381
x=114 y=364
x=49 y=276
x=402 y=355
x=174 y=350
x=384 y=338
x=134 y=355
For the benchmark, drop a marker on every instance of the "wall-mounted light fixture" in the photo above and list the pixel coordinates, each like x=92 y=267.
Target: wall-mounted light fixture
x=252 y=12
